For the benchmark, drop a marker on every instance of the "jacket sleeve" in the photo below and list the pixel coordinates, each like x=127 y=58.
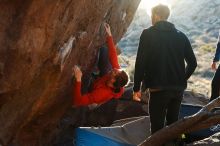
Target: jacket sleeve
x=112 y=53
x=217 y=53
x=139 y=65
x=190 y=59
x=96 y=96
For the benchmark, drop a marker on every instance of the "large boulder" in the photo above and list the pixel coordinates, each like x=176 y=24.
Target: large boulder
x=40 y=42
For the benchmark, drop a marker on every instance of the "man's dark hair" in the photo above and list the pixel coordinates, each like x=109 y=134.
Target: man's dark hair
x=162 y=11
x=121 y=80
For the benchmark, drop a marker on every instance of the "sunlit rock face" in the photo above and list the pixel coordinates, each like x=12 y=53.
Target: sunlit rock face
x=40 y=42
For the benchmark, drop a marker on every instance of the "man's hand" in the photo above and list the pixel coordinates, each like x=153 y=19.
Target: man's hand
x=214 y=66
x=137 y=96
x=107 y=29
x=77 y=73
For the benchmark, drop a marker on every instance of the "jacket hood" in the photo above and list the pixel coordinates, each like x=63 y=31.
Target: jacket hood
x=164 y=26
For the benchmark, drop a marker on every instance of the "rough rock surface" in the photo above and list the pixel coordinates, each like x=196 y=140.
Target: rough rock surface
x=40 y=42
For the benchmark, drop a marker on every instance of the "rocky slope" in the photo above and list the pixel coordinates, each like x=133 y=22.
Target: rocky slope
x=40 y=42
x=199 y=20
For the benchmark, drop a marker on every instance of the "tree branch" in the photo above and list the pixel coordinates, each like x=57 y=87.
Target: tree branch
x=184 y=125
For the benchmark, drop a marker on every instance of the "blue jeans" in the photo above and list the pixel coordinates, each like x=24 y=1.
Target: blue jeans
x=103 y=62
x=103 y=65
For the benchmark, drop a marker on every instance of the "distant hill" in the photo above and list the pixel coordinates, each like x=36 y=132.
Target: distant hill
x=199 y=20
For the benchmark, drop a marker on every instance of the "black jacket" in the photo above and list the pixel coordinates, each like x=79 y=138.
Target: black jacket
x=162 y=53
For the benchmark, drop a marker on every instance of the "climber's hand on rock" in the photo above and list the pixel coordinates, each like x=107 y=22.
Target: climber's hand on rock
x=107 y=29
x=77 y=73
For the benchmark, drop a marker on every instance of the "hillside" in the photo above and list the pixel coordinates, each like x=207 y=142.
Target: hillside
x=199 y=20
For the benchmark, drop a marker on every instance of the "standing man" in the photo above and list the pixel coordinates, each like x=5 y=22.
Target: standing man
x=216 y=79
x=160 y=65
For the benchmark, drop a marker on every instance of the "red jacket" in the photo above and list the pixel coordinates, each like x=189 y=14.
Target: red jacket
x=100 y=91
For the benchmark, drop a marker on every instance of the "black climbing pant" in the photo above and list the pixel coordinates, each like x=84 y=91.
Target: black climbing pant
x=164 y=107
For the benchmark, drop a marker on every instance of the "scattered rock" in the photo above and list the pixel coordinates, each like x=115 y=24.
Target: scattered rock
x=213 y=140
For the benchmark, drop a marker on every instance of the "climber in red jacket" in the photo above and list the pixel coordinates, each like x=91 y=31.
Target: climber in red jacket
x=109 y=85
